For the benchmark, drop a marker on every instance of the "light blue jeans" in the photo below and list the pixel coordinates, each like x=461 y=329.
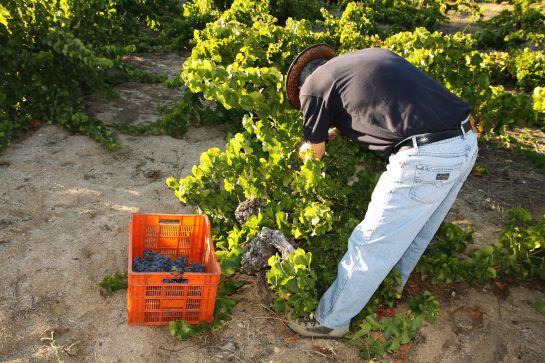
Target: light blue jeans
x=410 y=200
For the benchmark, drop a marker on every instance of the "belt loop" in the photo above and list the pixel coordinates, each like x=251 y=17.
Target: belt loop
x=462 y=127
x=415 y=145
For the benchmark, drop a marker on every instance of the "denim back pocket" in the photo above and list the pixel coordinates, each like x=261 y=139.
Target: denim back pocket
x=432 y=182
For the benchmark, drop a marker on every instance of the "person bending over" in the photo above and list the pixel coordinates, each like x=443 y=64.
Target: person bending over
x=384 y=103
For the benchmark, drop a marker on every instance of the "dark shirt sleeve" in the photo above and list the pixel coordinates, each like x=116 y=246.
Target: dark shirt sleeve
x=316 y=118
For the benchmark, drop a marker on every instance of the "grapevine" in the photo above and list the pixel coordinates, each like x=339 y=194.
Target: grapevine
x=55 y=51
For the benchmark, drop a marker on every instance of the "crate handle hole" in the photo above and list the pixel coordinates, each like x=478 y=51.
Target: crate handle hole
x=169 y=221
x=175 y=281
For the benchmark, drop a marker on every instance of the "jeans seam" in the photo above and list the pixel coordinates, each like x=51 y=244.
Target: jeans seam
x=441 y=154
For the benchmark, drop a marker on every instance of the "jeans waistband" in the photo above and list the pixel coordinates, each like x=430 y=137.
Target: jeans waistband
x=415 y=141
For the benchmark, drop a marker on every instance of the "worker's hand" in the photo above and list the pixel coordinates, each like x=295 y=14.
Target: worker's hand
x=332 y=133
x=319 y=150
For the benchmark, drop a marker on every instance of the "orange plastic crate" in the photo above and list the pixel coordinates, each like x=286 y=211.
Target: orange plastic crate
x=151 y=301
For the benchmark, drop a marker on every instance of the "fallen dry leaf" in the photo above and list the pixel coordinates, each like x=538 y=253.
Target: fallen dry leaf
x=292 y=338
x=384 y=311
x=402 y=353
x=378 y=336
x=476 y=314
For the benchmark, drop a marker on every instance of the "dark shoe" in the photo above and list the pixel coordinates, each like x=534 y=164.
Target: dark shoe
x=310 y=327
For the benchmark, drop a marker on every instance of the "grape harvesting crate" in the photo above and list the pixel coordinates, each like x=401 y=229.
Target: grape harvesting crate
x=156 y=298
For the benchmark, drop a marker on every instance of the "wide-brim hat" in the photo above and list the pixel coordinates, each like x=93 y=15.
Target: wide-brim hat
x=314 y=52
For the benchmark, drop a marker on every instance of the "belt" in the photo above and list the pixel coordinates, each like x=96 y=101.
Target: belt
x=432 y=137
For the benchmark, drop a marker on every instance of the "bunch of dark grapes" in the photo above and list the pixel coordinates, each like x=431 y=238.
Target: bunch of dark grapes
x=156 y=262
x=248 y=208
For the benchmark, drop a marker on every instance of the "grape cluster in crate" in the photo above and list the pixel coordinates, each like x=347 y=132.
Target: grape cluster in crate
x=156 y=262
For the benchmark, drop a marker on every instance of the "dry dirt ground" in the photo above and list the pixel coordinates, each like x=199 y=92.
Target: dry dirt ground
x=65 y=204
x=466 y=21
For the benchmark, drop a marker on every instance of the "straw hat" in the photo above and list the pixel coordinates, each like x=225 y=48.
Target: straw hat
x=314 y=52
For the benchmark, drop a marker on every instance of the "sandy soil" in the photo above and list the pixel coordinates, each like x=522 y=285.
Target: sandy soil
x=65 y=204
x=138 y=103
